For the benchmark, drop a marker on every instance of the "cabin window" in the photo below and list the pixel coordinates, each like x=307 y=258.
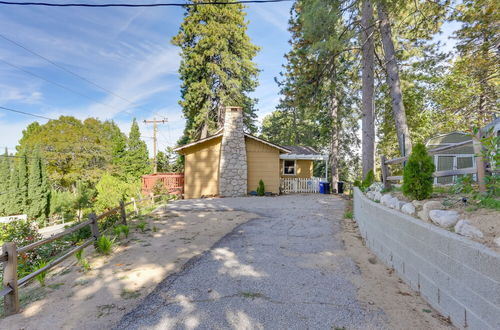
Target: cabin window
x=289 y=167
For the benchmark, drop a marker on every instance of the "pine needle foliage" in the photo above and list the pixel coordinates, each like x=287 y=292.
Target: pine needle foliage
x=216 y=68
x=417 y=175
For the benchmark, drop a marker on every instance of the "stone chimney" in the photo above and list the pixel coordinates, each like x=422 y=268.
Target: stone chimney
x=233 y=155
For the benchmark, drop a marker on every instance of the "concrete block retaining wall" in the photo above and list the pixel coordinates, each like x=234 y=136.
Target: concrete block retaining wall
x=458 y=277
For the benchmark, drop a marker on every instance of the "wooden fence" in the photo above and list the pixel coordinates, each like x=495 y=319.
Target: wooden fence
x=173 y=183
x=299 y=185
x=11 y=283
x=387 y=177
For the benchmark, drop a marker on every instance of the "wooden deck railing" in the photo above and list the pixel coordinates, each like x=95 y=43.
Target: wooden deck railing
x=11 y=283
x=386 y=177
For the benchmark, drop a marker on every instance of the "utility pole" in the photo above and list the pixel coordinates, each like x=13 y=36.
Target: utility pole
x=154 y=122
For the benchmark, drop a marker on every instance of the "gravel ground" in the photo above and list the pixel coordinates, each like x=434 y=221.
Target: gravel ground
x=283 y=270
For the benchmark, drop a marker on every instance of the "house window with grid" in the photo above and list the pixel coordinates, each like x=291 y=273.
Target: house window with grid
x=289 y=167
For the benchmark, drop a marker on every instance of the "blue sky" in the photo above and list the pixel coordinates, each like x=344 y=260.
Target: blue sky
x=125 y=50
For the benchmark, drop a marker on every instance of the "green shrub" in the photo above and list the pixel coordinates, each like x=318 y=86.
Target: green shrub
x=348 y=215
x=417 y=174
x=41 y=277
x=82 y=261
x=369 y=179
x=104 y=245
x=463 y=185
x=490 y=203
x=125 y=230
x=142 y=226
x=261 y=189
x=117 y=231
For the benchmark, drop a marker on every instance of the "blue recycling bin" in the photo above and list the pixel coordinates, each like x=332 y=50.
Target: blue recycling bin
x=324 y=187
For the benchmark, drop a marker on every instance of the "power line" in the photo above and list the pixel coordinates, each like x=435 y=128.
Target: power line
x=63 y=68
x=51 y=4
x=25 y=113
x=57 y=84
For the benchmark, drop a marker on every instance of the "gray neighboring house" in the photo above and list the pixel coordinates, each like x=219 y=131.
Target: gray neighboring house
x=452 y=159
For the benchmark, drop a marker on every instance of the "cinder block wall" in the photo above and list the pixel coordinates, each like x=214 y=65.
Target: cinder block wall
x=458 y=277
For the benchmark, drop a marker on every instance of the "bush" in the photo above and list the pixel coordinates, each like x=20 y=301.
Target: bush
x=104 y=245
x=369 y=179
x=417 y=174
x=41 y=277
x=261 y=189
x=463 y=185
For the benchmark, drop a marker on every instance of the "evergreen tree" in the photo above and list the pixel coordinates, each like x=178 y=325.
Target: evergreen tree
x=4 y=182
x=216 y=68
x=23 y=177
x=417 y=175
x=38 y=189
x=136 y=161
x=14 y=200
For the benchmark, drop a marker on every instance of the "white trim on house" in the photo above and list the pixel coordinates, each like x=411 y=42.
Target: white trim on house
x=219 y=133
x=294 y=168
x=303 y=157
x=455 y=157
x=268 y=143
x=198 y=141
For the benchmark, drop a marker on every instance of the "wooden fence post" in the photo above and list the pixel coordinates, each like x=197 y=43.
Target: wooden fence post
x=136 y=210
x=152 y=199
x=93 y=226
x=11 y=300
x=385 y=172
x=123 y=214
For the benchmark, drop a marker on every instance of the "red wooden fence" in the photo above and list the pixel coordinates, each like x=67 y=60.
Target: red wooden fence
x=172 y=182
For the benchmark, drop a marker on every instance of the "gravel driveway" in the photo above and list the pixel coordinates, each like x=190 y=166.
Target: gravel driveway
x=285 y=269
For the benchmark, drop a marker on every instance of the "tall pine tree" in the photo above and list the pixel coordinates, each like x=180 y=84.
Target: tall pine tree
x=136 y=161
x=23 y=179
x=216 y=68
x=38 y=189
x=4 y=182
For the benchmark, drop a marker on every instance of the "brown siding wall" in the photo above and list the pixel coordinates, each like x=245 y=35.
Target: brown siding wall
x=263 y=163
x=201 y=170
x=304 y=169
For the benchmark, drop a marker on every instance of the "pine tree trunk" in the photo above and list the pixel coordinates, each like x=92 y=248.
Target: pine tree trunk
x=334 y=144
x=367 y=123
x=392 y=67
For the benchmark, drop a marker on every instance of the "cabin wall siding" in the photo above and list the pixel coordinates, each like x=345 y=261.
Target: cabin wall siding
x=201 y=170
x=304 y=169
x=263 y=163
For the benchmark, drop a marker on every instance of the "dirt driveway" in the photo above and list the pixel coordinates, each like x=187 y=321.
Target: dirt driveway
x=296 y=266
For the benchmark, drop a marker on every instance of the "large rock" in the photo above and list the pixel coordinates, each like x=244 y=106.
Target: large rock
x=427 y=207
x=408 y=208
x=418 y=204
x=443 y=218
x=464 y=228
x=497 y=241
x=376 y=186
x=377 y=196
x=369 y=194
x=394 y=203
x=384 y=200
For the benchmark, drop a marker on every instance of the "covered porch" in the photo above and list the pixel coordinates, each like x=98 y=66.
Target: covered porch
x=297 y=170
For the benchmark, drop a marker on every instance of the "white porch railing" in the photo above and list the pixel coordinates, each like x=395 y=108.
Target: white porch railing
x=299 y=185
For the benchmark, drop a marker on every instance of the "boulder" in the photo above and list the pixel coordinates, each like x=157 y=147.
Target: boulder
x=377 y=196
x=464 y=228
x=427 y=207
x=376 y=186
x=408 y=208
x=497 y=241
x=394 y=203
x=418 y=204
x=369 y=194
x=385 y=199
x=443 y=218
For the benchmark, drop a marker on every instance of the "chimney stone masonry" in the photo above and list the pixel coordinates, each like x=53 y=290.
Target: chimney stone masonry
x=233 y=156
